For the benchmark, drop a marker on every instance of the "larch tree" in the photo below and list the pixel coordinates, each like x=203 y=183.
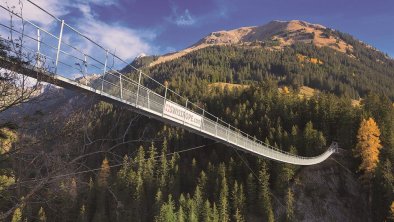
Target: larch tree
x=368 y=147
x=104 y=174
x=17 y=216
x=41 y=215
x=100 y=213
x=391 y=217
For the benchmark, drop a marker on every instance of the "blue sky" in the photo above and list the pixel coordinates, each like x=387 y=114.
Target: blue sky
x=132 y=27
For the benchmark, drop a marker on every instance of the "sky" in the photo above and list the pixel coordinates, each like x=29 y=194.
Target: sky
x=134 y=27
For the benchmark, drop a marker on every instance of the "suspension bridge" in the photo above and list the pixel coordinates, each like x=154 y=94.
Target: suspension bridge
x=51 y=56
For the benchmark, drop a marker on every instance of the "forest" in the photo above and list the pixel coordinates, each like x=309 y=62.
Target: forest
x=338 y=73
x=93 y=161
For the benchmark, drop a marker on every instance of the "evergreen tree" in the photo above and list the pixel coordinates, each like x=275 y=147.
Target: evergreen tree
x=164 y=169
x=167 y=211
x=238 y=198
x=265 y=194
x=313 y=140
x=181 y=214
x=289 y=205
x=207 y=215
x=238 y=216
x=192 y=210
x=223 y=197
x=251 y=192
x=158 y=202
x=215 y=214
x=199 y=202
x=202 y=183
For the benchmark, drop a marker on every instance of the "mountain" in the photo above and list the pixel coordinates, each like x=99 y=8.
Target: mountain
x=274 y=35
x=295 y=53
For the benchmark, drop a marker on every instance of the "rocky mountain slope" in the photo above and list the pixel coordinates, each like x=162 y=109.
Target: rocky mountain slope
x=274 y=35
x=330 y=192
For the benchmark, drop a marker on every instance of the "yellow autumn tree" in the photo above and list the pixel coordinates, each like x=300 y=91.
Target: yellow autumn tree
x=368 y=147
x=391 y=216
x=285 y=90
x=104 y=173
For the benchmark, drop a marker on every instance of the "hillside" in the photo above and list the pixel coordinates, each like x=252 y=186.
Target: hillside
x=274 y=35
x=295 y=53
x=296 y=65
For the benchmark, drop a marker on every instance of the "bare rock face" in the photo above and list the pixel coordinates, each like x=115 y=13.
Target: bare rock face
x=283 y=33
x=329 y=192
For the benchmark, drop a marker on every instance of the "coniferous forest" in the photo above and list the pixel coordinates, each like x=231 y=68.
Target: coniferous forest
x=95 y=161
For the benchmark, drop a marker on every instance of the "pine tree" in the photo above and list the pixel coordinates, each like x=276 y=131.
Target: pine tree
x=158 y=202
x=238 y=198
x=206 y=214
x=265 y=194
x=199 y=202
x=151 y=164
x=238 y=216
x=313 y=139
x=164 y=169
x=215 y=214
x=223 y=199
x=167 y=212
x=289 y=205
x=192 y=210
x=202 y=182
x=234 y=197
x=251 y=192
x=367 y=148
x=181 y=214
x=242 y=199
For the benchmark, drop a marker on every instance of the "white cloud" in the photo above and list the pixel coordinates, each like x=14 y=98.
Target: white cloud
x=102 y=2
x=185 y=19
x=126 y=42
x=181 y=19
x=30 y=12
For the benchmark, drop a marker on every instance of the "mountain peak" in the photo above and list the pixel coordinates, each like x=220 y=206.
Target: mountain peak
x=274 y=35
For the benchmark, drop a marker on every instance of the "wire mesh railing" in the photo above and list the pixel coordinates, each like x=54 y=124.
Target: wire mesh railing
x=99 y=72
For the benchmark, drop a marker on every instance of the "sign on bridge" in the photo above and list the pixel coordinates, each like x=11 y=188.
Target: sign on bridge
x=181 y=113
